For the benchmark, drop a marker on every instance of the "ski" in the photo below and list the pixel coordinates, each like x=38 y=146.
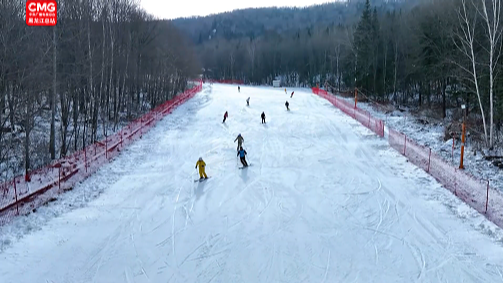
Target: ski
x=242 y=167
x=200 y=180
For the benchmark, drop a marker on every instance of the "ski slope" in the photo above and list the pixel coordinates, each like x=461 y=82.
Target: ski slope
x=325 y=201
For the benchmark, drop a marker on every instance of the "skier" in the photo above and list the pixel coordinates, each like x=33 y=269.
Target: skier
x=248 y=101
x=263 y=117
x=285 y=90
x=242 y=153
x=240 y=140
x=239 y=89
x=291 y=95
x=225 y=116
x=201 y=165
x=287 y=104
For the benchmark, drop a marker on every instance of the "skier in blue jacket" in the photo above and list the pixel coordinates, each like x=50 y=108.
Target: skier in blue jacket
x=242 y=153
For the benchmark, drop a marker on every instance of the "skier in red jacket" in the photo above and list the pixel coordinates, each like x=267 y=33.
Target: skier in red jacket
x=225 y=116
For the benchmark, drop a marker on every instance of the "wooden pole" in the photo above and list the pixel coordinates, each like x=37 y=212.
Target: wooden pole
x=404 y=144
x=487 y=195
x=356 y=96
x=461 y=166
x=15 y=194
x=85 y=158
x=429 y=161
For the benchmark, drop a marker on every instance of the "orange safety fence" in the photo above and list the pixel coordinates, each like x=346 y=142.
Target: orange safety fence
x=362 y=116
x=475 y=192
x=23 y=194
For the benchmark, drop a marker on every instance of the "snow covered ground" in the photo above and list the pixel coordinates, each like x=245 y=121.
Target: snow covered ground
x=13 y=143
x=431 y=135
x=325 y=200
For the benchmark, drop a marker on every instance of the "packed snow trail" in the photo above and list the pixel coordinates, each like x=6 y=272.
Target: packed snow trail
x=325 y=201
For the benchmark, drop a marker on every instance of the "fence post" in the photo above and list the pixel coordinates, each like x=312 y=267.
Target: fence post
x=59 y=178
x=15 y=195
x=141 y=127
x=455 y=181
x=463 y=135
x=452 y=154
x=404 y=144
x=106 y=147
x=85 y=158
x=356 y=96
x=487 y=195
x=429 y=161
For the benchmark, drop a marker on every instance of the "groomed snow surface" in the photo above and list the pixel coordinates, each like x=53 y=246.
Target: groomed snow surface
x=325 y=200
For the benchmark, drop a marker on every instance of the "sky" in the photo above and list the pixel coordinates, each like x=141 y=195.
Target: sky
x=172 y=9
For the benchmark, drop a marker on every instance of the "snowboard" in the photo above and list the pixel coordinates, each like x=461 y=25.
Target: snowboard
x=201 y=180
x=242 y=167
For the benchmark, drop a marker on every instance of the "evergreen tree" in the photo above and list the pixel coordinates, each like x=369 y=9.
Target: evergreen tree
x=376 y=52
x=363 y=46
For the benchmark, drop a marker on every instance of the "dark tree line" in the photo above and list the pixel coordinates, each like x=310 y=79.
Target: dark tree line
x=64 y=87
x=256 y=22
x=435 y=53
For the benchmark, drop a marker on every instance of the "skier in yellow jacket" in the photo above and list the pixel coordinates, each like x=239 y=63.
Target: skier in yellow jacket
x=201 y=165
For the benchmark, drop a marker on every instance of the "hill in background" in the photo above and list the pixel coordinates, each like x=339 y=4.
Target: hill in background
x=252 y=23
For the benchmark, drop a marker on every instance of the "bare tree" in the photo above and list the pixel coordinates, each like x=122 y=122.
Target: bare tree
x=104 y=58
x=465 y=43
x=492 y=18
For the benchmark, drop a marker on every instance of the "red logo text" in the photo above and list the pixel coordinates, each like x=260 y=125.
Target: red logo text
x=41 y=12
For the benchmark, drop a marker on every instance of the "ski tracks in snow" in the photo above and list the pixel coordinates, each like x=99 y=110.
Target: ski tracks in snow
x=327 y=202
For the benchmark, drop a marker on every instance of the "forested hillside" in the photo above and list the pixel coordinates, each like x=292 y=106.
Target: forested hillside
x=64 y=87
x=252 y=23
x=436 y=54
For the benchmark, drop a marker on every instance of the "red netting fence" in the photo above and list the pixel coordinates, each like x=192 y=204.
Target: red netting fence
x=475 y=192
x=23 y=194
x=362 y=116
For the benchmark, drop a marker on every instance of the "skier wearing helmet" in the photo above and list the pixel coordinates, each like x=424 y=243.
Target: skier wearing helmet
x=202 y=166
x=240 y=140
x=242 y=153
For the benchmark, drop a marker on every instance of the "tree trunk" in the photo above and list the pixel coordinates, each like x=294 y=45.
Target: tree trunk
x=396 y=70
x=90 y=57
x=52 y=139
x=28 y=125
x=444 y=103
x=494 y=32
x=467 y=38
x=95 y=111
x=385 y=51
